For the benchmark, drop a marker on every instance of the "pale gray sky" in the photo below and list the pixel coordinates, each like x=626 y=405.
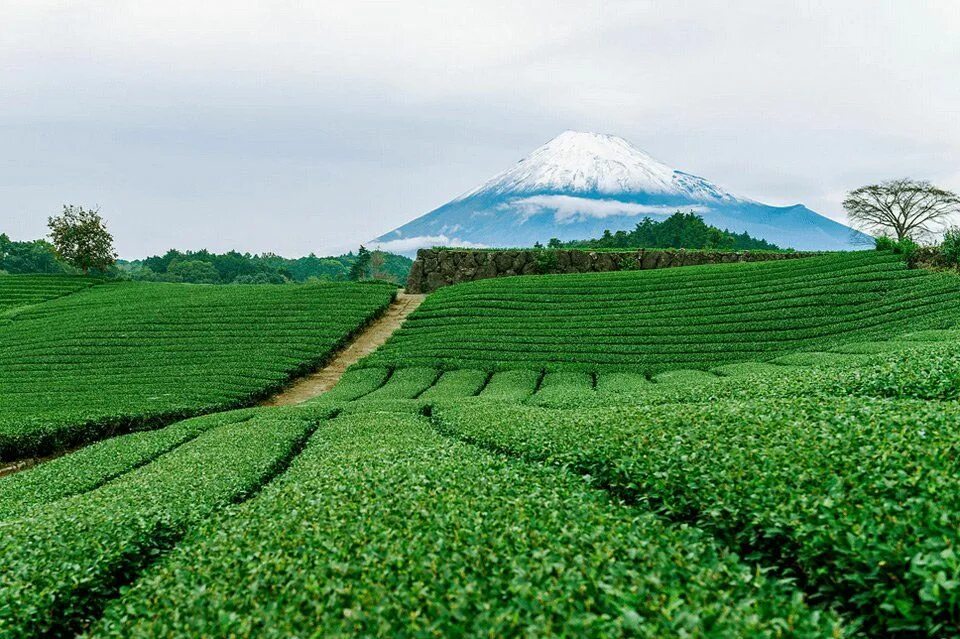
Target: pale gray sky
x=312 y=126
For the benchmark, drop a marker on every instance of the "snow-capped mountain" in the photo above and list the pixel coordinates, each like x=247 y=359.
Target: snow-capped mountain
x=579 y=184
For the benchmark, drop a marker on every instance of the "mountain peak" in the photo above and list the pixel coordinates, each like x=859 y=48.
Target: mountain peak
x=580 y=184
x=595 y=164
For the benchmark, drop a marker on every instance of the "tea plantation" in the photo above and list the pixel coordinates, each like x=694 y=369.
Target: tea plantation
x=121 y=356
x=751 y=450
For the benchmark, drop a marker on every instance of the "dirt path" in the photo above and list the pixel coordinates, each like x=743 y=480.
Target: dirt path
x=365 y=343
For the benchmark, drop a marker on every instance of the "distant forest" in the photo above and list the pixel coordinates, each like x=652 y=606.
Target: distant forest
x=680 y=230
x=204 y=267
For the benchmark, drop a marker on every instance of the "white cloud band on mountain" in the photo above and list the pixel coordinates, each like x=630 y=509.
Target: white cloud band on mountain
x=568 y=208
x=408 y=245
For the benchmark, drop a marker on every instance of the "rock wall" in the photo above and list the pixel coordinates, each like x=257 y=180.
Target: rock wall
x=435 y=268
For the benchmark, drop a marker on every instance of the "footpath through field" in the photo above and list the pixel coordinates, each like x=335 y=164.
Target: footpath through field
x=369 y=340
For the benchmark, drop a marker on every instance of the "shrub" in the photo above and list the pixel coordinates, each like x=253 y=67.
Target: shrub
x=950 y=248
x=885 y=243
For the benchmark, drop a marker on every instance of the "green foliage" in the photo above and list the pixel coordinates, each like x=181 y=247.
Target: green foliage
x=129 y=355
x=950 y=247
x=38 y=256
x=93 y=466
x=80 y=237
x=59 y=565
x=456 y=384
x=405 y=383
x=244 y=268
x=922 y=375
x=859 y=496
x=360 y=269
x=196 y=271
x=885 y=243
x=743 y=450
x=545 y=261
x=656 y=320
x=382 y=527
x=26 y=290
x=511 y=386
x=680 y=230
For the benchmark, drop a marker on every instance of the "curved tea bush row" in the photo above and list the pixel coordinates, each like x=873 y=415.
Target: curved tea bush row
x=130 y=355
x=58 y=565
x=95 y=465
x=384 y=528
x=24 y=290
x=860 y=497
x=652 y=321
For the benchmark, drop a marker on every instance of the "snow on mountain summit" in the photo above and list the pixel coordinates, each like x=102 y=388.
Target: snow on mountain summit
x=579 y=185
x=598 y=164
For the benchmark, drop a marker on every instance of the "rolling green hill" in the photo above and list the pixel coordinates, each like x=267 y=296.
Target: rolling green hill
x=126 y=355
x=653 y=321
x=24 y=290
x=752 y=450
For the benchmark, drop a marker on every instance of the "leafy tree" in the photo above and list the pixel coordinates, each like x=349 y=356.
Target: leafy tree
x=680 y=230
x=377 y=262
x=906 y=208
x=81 y=238
x=554 y=243
x=193 y=271
x=950 y=248
x=260 y=278
x=361 y=266
x=271 y=268
x=37 y=256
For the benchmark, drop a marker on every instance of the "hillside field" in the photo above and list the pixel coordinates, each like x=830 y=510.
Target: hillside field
x=745 y=450
x=96 y=360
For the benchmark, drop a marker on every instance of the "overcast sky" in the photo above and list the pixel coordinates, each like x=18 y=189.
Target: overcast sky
x=299 y=127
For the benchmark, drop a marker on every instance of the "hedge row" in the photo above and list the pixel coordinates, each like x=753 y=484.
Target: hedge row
x=58 y=565
x=859 y=498
x=125 y=356
x=25 y=290
x=653 y=321
x=97 y=464
x=384 y=528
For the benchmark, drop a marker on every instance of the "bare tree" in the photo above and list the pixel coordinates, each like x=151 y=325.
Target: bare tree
x=907 y=208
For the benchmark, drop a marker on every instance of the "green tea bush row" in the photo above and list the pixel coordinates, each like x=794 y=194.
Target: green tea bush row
x=511 y=385
x=405 y=383
x=24 y=290
x=456 y=384
x=860 y=497
x=95 y=465
x=653 y=321
x=58 y=566
x=560 y=389
x=384 y=528
x=354 y=384
x=130 y=355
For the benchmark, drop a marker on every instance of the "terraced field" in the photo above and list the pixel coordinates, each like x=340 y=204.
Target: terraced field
x=802 y=484
x=128 y=355
x=693 y=318
x=24 y=290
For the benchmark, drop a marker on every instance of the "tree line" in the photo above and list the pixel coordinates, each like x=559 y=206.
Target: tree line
x=680 y=230
x=81 y=243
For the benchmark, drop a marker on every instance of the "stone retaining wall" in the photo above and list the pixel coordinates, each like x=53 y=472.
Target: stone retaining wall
x=435 y=268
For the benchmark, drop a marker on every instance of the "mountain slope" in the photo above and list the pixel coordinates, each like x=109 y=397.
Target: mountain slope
x=579 y=184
